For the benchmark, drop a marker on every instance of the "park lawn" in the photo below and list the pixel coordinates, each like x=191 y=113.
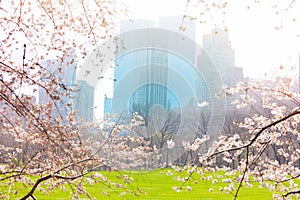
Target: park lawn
x=153 y=185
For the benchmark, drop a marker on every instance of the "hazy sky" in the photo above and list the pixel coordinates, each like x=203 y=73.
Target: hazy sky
x=260 y=48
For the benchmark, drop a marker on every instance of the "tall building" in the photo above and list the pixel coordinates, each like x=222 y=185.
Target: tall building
x=65 y=72
x=181 y=69
x=75 y=95
x=220 y=52
x=151 y=81
x=217 y=54
x=173 y=23
x=144 y=73
x=124 y=61
x=84 y=101
x=149 y=76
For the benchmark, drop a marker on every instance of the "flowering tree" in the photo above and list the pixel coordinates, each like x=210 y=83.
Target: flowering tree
x=268 y=150
x=264 y=147
x=38 y=144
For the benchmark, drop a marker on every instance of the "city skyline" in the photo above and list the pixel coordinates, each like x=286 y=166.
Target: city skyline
x=261 y=47
x=227 y=82
x=216 y=44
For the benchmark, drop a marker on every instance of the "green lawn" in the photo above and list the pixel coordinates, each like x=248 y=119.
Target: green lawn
x=157 y=184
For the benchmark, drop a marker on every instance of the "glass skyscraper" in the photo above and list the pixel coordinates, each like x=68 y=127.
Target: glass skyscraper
x=150 y=76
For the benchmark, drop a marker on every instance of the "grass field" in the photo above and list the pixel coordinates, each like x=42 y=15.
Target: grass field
x=156 y=185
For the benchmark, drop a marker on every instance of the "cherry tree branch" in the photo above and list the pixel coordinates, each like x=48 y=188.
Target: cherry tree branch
x=282 y=16
x=88 y=21
x=244 y=173
x=55 y=175
x=39 y=125
x=51 y=17
x=291 y=193
x=30 y=194
x=296 y=112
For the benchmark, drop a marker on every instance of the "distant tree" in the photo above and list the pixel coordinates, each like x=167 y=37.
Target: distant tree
x=162 y=125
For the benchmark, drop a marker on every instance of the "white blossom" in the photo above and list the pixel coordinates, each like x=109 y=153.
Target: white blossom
x=170 y=143
x=186 y=145
x=202 y=104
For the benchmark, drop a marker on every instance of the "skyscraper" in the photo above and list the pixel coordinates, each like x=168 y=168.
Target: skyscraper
x=218 y=54
x=78 y=96
x=147 y=76
x=63 y=71
x=84 y=101
x=151 y=82
x=144 y=72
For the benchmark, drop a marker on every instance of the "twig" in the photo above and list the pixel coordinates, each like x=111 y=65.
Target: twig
x=291 y=193
x=244 y=173
x=282 y=16
x=296 y=112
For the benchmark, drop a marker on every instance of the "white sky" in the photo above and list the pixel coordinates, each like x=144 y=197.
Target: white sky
x=259 y=47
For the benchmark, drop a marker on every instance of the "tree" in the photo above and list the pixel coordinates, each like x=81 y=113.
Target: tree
x=39 y=144
x=277 y=129
x=160 y=126
x=267 y=139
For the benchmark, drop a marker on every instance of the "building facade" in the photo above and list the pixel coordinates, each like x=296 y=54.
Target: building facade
x=217 y=54
x=75 y=95
x=64 y=71
x=151 y=76
x=84 y=101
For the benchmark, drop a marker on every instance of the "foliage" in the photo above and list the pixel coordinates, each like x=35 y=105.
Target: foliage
x=215 y=13
x=37 y=139
x=267 y=152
